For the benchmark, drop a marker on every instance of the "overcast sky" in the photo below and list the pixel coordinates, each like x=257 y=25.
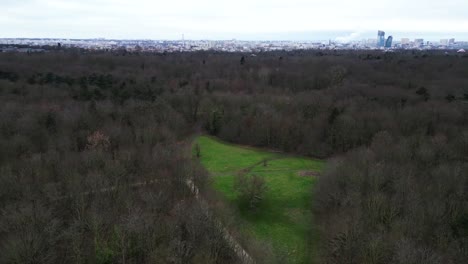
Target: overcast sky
x=240 y=19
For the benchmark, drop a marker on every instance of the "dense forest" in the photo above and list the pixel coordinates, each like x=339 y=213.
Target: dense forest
x=94 y=151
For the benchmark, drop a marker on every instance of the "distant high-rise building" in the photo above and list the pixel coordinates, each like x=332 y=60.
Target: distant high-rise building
x=380 y=38
x=405 y=41
x=388 y=43
x=451 y=41
x=444 y=42
x=419 y=42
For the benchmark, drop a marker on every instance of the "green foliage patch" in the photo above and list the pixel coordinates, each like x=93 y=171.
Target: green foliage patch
x=284 y=215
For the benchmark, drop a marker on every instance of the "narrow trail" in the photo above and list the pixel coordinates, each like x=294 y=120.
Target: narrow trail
x=246 y=169
x=108 y=189
x=241 y=253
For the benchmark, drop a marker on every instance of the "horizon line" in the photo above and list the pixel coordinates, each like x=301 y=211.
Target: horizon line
x=229 y=39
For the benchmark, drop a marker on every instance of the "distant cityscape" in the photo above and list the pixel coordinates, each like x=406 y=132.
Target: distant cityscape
x=381 y=42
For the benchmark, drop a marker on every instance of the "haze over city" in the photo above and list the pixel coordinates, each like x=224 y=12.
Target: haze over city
x=210 y=19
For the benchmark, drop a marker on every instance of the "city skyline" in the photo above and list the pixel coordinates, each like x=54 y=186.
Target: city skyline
x=209 y=19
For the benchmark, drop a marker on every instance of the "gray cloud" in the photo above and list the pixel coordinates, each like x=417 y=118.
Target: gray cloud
x=227 y=19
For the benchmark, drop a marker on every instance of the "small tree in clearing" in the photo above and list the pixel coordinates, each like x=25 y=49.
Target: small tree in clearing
x=251 y=189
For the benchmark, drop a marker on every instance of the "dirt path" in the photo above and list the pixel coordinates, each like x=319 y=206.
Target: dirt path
x=232 y=242
x=241 y=253
x=246 y=169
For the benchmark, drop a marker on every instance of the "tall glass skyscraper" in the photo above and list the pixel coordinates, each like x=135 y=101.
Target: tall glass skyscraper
x=388 y=43
x=380 y=38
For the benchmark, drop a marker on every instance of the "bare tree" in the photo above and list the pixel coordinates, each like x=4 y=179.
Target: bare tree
x=251 y=189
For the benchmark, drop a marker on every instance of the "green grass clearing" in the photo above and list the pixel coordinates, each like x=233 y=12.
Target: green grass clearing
x=284 y=217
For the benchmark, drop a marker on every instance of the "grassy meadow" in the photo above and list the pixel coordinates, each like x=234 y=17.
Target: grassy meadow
x=284 y=216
